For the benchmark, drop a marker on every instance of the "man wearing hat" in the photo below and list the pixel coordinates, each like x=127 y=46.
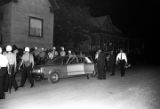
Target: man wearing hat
x=12 y=67
x=27 y=61
x=62 y=52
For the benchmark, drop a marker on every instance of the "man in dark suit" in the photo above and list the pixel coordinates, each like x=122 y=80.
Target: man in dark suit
x=112 y=63
x=101 y=65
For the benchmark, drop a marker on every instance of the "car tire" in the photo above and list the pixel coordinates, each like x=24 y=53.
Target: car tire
x=94 y=74
x=38 y=78
x=88 y=76
x=54 y=77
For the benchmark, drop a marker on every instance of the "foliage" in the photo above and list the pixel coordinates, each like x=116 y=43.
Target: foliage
x=71 y=24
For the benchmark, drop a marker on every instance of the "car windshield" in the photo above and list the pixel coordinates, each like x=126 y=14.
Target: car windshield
x=87 y=60
x=60 y=60
x=69 y=60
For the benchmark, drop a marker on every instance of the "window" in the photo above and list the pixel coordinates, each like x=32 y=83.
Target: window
x=35 y=27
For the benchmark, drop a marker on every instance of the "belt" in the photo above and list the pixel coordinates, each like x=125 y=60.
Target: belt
x=3 y=67
x=122 y=59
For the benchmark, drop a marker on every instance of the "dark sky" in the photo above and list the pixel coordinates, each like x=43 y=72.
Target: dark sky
x=131 y=16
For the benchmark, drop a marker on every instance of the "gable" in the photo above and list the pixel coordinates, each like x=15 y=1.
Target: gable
x=104 y=23
x=98 y=21
x=2 y=2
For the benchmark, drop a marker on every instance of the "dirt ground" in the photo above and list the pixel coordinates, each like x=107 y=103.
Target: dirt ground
x=137 y=90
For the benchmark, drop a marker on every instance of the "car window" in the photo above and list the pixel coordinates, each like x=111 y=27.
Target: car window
x=65 y=60
x=87 y=60
x=80 y=60
x=57 y=61
x=73 y=60
x=60 y=60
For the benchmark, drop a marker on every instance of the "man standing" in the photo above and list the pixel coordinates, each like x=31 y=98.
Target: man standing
x=101 y=65
x=96 y=59
x=12 y=68
x=112 y=63
x=36 y=53
x=3 y=73
x=54 y=52
x=62 y=52
x=121 y=60
x=28 y=63
x=97 y=54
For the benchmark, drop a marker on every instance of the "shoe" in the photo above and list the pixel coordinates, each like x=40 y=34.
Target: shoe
x=87 y=76
x=2 y=97
x=104 y=78
x=9 y=91
x=112 y=74
x=21 y=86
x=122 y=75
x=99 y=78
x=32 y=85
x=16 y=89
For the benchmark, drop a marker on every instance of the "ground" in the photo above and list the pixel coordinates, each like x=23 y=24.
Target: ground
x=137 y=90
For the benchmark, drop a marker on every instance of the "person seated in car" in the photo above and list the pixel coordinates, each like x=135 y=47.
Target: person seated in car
x=72 y=56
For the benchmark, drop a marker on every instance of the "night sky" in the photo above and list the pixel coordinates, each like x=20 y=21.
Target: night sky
x=131 y=16
x=137 y=19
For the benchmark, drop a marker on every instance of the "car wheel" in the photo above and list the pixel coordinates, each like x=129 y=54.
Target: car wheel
x=54 y=77
x=38 y=78
x=94 y=74
x=88 y=76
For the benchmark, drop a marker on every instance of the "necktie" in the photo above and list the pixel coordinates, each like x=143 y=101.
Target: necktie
x=121 y=56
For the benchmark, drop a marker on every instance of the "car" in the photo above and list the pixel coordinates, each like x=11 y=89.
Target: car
x=63 y=67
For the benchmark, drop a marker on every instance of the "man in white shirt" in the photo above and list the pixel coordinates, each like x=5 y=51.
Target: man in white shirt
x=12 y=67
x=121 y=60
x=3 y=74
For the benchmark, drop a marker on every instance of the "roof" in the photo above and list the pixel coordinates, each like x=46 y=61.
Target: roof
x=104 y=23
x=2 y=2
x=97 y=21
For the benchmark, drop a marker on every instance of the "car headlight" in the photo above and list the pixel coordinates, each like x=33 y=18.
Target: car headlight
x=37 y=70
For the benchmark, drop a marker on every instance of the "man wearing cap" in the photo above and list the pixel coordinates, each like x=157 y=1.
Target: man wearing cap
x=12 y=67
x=3 y=73
x=62 y=53
x=27 y=61
x=42 y=56
x=54 y=52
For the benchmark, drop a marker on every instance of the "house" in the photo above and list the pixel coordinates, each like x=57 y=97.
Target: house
x=26 y=23
x=106 y=33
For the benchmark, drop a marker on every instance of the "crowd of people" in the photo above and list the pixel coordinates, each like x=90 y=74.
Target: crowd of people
x=13 y=60
x=107 y=61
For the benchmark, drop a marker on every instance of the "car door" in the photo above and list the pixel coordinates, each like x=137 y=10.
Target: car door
x=88 y=66
x=74 y=67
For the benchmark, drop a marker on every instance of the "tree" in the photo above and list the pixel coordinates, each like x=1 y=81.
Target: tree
x=71 y=24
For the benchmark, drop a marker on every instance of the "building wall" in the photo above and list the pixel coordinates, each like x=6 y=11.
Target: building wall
x=6 y=23
x=19 y=23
